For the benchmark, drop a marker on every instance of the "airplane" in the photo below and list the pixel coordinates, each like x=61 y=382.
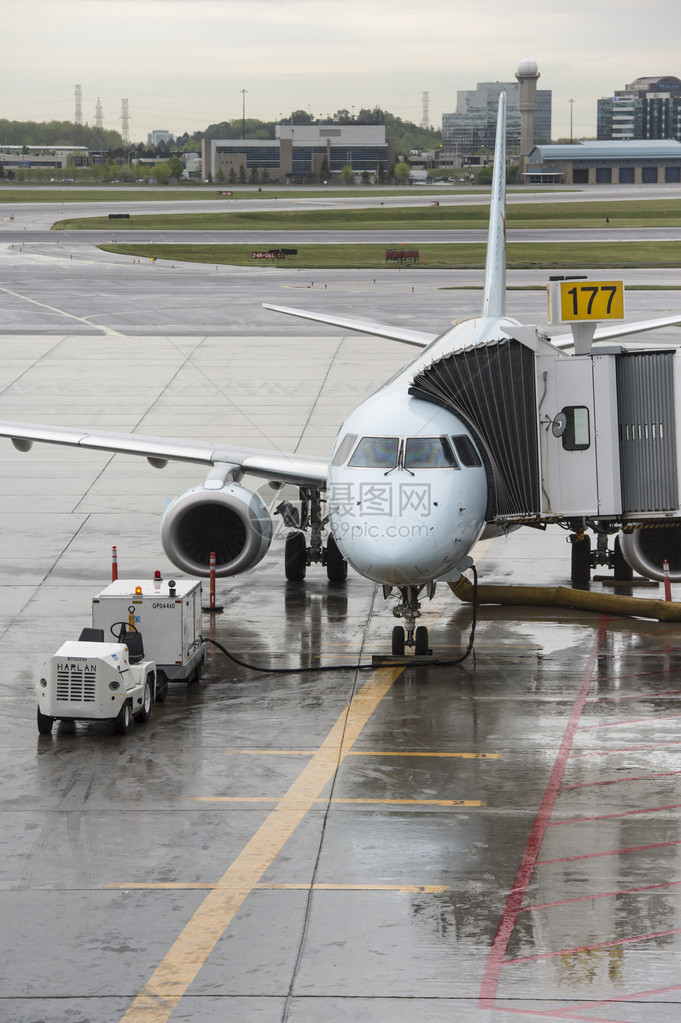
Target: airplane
x=414 y=479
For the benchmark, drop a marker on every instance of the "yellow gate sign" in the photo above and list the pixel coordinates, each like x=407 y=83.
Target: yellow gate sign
x=579 y=301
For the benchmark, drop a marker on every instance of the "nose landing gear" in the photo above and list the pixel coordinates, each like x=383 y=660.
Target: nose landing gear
x=410 y=635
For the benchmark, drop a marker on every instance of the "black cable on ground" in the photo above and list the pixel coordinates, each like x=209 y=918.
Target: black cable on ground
x=354 y=667
x=286 y=671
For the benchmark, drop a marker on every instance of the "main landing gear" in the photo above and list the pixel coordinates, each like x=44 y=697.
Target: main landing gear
x=298 y=554
x=409 y=609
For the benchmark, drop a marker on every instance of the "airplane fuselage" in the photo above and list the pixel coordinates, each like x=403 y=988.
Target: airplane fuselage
x=407 y=489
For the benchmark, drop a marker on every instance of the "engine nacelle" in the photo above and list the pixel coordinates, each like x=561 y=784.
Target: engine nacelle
x=231 y=521
x=646 y=549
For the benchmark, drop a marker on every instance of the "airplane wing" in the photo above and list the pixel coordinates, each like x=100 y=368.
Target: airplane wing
x=417 y=338
x=621 y=330
x=301 y=470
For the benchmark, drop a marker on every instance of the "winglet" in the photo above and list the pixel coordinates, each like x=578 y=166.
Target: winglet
x=494 y=298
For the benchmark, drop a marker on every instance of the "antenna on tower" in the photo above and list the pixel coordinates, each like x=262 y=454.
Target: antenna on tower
x=99 y=120
x=425 y=114
x=78 y=117
x=125 y=121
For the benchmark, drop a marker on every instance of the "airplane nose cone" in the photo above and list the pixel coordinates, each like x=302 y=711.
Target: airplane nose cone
x=403 y=560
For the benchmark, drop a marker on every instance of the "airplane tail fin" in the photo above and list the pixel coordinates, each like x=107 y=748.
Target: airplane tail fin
x=494 y=298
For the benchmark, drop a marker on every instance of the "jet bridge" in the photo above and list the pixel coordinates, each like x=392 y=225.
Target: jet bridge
x=589 y=440
x=566 y=436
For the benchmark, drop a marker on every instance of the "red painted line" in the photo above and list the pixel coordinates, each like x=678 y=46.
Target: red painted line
x=495 y=960
x=632 y=721
x=618 y=781
x=609 y=816
x=603 y=895
x=625 y=749
x=589 y=948
x=610 y=852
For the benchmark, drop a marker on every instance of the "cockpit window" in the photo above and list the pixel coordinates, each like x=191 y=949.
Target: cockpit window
x=375 y=453
x=466 y=451
x=429 y=453
x=344 y=449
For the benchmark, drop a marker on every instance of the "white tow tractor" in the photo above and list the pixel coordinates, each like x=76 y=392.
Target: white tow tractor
x=92 y=679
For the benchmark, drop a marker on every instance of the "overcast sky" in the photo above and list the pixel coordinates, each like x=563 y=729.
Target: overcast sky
x=183 y=63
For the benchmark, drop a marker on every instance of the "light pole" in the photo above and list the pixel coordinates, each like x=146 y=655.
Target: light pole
x=571 y=102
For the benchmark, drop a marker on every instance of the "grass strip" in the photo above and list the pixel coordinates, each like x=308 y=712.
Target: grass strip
x=520 y=255
x=546 y=216
x=77 y=193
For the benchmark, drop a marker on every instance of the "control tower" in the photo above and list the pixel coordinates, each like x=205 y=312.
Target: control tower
x=527 y=76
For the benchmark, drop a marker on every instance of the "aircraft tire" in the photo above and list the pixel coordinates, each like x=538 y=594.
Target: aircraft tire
x=295 y=557
x=398 y=641
x=336 y=565
x=421 y=641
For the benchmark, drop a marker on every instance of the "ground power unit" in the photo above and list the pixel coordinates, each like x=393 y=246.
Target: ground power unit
x=168 y=614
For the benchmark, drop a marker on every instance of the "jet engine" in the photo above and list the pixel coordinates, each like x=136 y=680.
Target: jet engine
x=228 y=519
x=646 y=549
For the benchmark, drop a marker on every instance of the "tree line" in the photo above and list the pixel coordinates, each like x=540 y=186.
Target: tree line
x=407 y=136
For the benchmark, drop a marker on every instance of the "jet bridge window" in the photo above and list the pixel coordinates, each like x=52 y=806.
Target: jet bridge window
x=429 y=453
x=375 y=453
x=572 y=426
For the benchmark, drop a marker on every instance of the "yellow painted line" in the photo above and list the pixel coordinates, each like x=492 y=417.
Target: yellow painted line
x=188 y=953
x=359 y=802
x=429 y=889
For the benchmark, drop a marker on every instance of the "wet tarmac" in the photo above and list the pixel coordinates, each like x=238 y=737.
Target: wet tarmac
x=497 y=840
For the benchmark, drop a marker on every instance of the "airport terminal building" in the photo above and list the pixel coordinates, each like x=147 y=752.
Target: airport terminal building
x=641 y=162
x=298 y=151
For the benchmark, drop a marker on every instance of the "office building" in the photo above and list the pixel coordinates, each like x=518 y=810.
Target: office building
x=648 y=108
x=473 y=125
x=299 y=151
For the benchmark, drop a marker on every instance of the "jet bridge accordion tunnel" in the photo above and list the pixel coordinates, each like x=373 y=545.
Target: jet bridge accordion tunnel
x=492 y=389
